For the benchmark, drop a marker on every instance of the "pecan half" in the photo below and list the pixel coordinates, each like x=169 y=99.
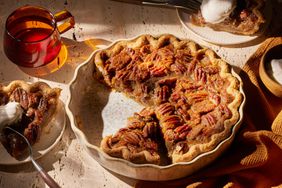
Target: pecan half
x=164 y=109
x=147 y=112
x=170 y=82
x=150 y=130
x=43 y=104
x=158 y=71
x=20 y=95
x=184 y=114
x=132 y=137
x=203 y=107
x=175 y=96
x=209 y=119
x=196 y=97
x=123 y=76
x=169 y=122
x=191 y=66
x=200 y=75
x=178 y=68
x=184 y=55
x=182 y=103
x=162 y=94
x=182 y=131
x=119 y=61
x=113 y=140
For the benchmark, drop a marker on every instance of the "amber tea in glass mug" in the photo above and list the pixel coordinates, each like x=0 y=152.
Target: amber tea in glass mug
x=32 y=37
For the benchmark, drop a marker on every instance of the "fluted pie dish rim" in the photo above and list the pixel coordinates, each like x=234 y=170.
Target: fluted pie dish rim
x=118 y=164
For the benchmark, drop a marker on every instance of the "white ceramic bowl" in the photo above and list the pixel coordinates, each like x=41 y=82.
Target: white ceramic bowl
x=95 y=111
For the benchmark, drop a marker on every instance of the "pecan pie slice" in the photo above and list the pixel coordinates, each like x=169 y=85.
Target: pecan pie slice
x=37 y=102
x=138 y=142
x=245 y=19
x=192 y=96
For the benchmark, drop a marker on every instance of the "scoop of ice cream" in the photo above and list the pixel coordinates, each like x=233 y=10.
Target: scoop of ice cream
x=215 y=11
x=10 y=113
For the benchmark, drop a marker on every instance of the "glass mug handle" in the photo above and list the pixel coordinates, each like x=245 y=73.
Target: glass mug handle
x=68 y=24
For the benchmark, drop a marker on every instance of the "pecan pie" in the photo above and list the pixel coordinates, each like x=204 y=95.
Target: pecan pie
x=245 y=19
x=38 y=103
x=191 y=99
x=140 y=138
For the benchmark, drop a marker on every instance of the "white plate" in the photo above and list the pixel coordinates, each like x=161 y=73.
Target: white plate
x=49 y=137
x=220 y=37
x=95 y=111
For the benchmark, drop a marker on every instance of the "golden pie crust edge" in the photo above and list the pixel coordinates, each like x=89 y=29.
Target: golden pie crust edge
x=194 y=150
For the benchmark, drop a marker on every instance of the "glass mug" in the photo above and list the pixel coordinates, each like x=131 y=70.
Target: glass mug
x=32 y=37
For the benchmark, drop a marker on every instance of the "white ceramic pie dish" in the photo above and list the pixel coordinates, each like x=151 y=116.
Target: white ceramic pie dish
x=95 y=111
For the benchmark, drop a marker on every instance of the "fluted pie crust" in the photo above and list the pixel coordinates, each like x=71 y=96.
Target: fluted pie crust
x=246 y=19
x=38 y=101
x=191 y=99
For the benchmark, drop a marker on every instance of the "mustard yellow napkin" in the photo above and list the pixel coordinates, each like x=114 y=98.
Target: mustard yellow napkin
x=255 y=157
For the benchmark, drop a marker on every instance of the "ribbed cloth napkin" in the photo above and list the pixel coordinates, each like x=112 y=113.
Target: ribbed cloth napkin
x=255 y=157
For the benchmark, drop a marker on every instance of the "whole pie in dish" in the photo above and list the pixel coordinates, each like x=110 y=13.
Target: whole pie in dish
x=245 y=19
x=191 y=99
x=37 y=102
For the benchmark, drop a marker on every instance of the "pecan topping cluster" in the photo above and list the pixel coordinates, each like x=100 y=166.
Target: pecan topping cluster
x=184 y=88
x=35 y=107
x=140 y=134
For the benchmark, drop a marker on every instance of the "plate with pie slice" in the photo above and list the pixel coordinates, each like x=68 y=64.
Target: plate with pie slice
x=37 y=113
x=155 y=107
x=246 y=24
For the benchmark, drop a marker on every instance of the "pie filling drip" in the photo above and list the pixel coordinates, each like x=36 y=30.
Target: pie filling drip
x=184 y=88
